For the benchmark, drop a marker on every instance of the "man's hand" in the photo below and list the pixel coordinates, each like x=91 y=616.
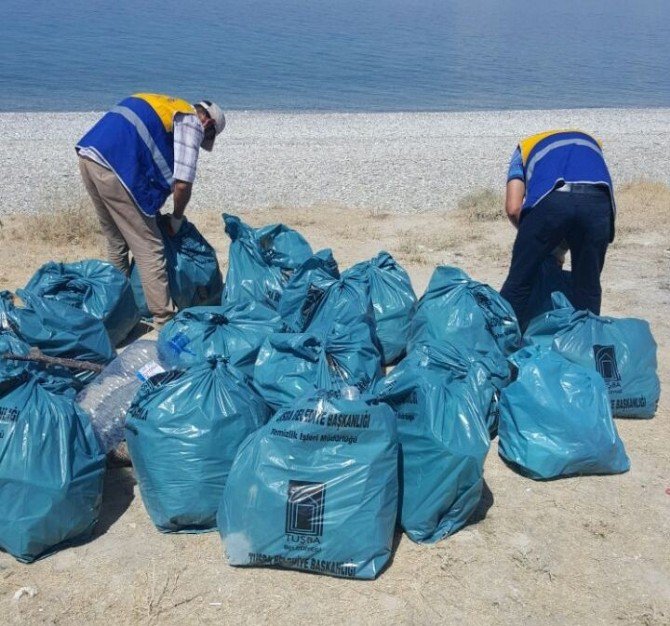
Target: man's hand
x=181 y=191
x=516 y=190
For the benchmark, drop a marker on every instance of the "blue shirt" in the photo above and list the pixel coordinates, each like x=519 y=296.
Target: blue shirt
x=516 y=167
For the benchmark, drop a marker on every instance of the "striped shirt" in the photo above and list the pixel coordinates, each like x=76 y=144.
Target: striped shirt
x=188 y=135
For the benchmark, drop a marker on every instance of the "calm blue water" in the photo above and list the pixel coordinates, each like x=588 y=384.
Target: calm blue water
x=337 y=54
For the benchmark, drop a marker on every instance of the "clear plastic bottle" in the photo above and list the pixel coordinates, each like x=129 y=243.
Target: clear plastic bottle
x=108 y=397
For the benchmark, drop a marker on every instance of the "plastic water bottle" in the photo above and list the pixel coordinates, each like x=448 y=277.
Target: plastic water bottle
x=108 y=398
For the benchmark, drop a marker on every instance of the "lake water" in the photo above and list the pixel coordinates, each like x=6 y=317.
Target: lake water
x=358 y=55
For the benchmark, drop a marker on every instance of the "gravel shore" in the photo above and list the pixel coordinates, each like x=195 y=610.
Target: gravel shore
x=397 y=162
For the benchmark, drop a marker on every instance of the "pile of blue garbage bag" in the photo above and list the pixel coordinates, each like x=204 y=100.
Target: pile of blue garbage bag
x=268 y=409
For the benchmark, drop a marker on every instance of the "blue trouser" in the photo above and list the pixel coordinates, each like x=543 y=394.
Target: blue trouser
x=584 y=220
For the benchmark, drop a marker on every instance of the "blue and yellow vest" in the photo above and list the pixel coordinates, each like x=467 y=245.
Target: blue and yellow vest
x=556 y=156
x=135 y=140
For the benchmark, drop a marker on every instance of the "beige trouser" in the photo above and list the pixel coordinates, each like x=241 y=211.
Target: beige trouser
x=126 y=228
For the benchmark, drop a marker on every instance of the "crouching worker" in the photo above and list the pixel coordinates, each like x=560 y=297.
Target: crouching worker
x=139 y=153
x=559 y=190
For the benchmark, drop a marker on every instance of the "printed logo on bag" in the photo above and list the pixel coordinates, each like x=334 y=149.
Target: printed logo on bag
x=9 y=414
x=493 y=322
x=305 y=508
x=606 y=366
x=273 y=295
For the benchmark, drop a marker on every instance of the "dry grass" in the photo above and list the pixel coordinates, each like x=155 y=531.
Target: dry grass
x=74 y=225
x=483 y=205
x=643 y=205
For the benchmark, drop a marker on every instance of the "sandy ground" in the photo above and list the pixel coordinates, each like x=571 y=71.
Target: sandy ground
x=579 y=551
x=396 y=162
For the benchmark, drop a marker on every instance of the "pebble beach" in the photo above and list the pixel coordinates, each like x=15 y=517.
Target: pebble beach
x=390 y=162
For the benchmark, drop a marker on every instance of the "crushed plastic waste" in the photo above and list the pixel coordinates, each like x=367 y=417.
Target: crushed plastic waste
x=108 y=398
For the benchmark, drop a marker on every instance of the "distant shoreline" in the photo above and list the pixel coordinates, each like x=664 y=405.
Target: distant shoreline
x=382 y=161
x=361 y=111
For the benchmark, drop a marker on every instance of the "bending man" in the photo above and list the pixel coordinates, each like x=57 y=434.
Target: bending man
x=139 y=153
x=559 y=190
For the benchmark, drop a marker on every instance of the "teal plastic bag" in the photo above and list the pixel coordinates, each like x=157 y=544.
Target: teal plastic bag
x=54 y=378
x=95 y=287
x=261 y=261
x=233 y=330
x=316 y=489
x=337 y=301
x=321 y=266
x=51 y=470
x=621 y=350
x=393 y=302
x=183 y=430
x=57 y=329
x=11 y=344
x=460 y=310
x=442 y=398
x=193 y=270
x=556 y=421
x=290 y=365
x=543 y=327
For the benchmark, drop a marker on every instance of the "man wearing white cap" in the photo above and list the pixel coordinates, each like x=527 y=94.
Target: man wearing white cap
x=142 y=151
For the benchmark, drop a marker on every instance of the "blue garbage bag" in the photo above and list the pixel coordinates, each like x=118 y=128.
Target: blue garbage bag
x=282 y=246
x=318 y=267
x=290 y=365
x=393 y=302
x=442 y=397
x=621 y=350
x=57 y=329
x=458 y=309
x=10 y=344
x=260 y=261
x=315 y=489
x=337 y=301
x=550 y=278
x=183 y=430
x=542 y=328
x=555 y=419
x=54 y=378
x=93 y=286
x=234 y=330
x=51 y=470
x=193 y=270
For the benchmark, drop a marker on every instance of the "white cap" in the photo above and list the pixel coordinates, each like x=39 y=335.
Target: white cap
x=215 y=112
